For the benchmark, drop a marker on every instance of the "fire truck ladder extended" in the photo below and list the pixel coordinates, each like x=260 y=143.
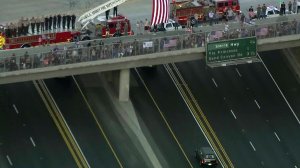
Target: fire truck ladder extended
x=87 y=17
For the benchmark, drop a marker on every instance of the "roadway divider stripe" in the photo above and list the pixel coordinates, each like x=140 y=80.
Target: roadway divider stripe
x=190 y=96
x=69 y=140
x=164 y=118
x=58 y=125
x=203 y=116
x=98 y=123
x=65 y=125
x=194 y=113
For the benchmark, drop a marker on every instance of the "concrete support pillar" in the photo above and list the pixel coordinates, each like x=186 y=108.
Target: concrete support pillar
x=124 y=82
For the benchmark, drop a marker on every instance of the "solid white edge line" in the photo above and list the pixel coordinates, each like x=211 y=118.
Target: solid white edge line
x=257 y=104
x=32 y=141
x=279 y=90
x=9 y=161
x=15 y=107
x=214 y=82
x=252 y=146
x=233 y=114
x=277 y=136
x=237 y=70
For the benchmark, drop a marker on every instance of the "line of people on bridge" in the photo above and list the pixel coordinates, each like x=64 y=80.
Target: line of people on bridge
x=40 y=25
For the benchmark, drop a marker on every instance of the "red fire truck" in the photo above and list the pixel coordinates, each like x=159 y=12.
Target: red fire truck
x=66 y=36
x=223 y=5
x=110 y=29
x=186 y=9
x=40 y=39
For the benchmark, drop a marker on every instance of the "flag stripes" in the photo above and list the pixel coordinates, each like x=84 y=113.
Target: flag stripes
x=160 y=11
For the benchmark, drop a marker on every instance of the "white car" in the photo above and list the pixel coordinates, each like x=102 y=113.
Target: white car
x=169 y=26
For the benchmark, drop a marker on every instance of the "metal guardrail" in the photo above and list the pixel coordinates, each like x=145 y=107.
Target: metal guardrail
x=115 y=49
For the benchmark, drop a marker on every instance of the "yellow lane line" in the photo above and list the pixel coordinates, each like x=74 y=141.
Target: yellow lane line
x=194 y=112
x=203 y=116
x=63 y=124
x=165 y=120
x=57 y=125
x=98 y=123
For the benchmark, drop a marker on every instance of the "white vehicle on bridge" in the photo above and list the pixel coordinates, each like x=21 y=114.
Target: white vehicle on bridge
x=169 y=26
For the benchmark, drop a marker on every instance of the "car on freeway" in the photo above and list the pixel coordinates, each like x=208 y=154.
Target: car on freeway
x=206 y=157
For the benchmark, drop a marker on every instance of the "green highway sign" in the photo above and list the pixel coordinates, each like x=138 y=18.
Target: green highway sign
x=230 y=50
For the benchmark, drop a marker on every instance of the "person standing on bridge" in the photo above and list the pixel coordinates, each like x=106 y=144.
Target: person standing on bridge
x=54 y=21
x=290 y=7
x=107 y=14
x=42 y=21
x=46 y=23
x=73 y=18
x=26 y=26
x=64 y=19
x=295 y=6
x=264 y=11
x=38 y=24
x=32 y=24
x=258 y=14
x=68 y=21
x=58 y=21
x=50 y=22
x=282 y=8
x=115 y=10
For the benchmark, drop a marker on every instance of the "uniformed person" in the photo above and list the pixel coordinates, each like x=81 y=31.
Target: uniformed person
x=38 y=24
x=58 y=20
x=19 y=27
x=14 y=29
x=68 y=21
x=42 y=21
x=64 y=20
x=54 y=21
x=32 y=24
x=73 y=18
x=46 y=23
x=50 y=22
x=107 y=14
x=115 y=10
x=26 y=26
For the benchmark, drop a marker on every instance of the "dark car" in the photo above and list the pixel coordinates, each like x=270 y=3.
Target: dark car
x=206 y=157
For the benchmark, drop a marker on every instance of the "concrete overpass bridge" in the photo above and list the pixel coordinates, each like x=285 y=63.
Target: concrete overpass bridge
x=119 y=55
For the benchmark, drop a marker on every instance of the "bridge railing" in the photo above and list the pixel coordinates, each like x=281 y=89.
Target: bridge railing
x=135 y=47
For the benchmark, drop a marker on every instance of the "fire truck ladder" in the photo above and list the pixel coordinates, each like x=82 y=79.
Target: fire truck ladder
x=87 y=17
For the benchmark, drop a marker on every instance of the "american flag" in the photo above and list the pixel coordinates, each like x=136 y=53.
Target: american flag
x=262 y=31
x=170 y=43
x=160 y=11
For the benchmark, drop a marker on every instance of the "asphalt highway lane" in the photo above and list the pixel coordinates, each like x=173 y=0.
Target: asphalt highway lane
x=252 y=109
x=277 y=65
x=175 y=112
x=122 y=138
x=82 y=124
x=29 y=137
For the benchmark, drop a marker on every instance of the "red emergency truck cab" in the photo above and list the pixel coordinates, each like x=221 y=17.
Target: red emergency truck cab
x=223 y=5
x=112 y=27
x=40 y=39
x=186 y=9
